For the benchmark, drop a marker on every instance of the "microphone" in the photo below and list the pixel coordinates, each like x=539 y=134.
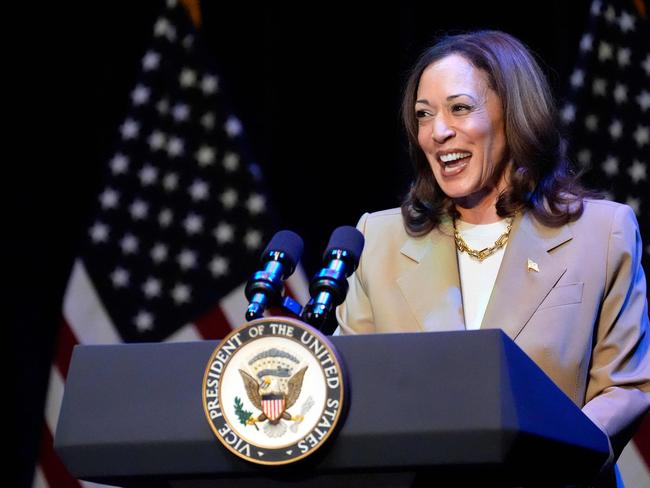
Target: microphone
x=329 y=286
x=279 y=259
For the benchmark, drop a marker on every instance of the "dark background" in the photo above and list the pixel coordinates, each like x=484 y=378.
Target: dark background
x=317 y=88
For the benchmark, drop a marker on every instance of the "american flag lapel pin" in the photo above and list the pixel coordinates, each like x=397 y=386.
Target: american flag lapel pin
x=532 y=266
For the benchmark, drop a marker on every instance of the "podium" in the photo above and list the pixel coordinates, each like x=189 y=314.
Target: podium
x=429 y=409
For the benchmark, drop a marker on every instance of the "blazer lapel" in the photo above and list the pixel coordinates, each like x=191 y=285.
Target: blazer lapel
x=432 y=288
x=519 y=289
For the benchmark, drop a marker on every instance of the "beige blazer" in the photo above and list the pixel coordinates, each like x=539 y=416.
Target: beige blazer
x=583 y=317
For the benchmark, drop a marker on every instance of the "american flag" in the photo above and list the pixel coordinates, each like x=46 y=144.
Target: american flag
x=606 y=115
x=178 y=226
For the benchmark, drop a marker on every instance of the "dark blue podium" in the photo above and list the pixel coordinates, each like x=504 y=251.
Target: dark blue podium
x=429 y=409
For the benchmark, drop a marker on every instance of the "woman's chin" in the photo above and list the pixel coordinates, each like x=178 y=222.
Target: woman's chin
x=457 y=193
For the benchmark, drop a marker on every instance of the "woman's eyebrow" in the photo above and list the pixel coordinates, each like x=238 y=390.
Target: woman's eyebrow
x=451 y=97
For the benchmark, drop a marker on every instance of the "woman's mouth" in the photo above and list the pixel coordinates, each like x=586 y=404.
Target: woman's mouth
x=454 y=163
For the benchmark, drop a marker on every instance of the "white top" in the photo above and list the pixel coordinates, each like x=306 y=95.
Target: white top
x=477 y=277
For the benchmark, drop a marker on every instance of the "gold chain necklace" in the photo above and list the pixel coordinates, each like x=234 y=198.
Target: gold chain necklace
x=462 y=246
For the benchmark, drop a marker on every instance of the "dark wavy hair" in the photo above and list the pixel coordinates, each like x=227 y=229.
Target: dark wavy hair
x=540 y=177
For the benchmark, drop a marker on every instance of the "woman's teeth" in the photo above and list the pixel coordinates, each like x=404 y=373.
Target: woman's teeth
x=454 y=163
x=448 y=158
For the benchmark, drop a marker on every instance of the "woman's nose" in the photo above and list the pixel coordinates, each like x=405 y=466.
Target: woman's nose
x=441 y=130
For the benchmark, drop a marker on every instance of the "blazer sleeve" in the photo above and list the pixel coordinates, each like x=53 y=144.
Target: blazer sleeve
x=618 y=389
x=354 y=315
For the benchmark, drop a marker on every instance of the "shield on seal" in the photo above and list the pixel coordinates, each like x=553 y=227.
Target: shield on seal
x=273 y=406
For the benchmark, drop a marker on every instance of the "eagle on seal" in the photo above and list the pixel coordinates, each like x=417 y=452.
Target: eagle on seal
x=271 y=398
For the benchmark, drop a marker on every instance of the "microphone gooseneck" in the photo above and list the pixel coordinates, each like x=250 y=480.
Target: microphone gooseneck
x=329 y=286
x=279 y=260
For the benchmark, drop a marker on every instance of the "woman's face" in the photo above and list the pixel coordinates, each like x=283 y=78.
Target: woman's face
x=461 y=130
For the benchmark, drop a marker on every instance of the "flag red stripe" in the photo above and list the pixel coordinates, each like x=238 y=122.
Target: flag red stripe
x=642 y=440
x=65 y=345
x=214 y=324
x=53 y=469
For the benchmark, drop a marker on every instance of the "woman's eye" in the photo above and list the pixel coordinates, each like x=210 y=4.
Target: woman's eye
x=459 y=107
x=420 y=114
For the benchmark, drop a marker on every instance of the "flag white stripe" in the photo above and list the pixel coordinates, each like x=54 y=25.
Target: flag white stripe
x=633 y=468
x=299 y=285
x=54 y=399
x=90 y=484
x=187 y=333
x=85 y=312
x=234 y=306
x=39 y=479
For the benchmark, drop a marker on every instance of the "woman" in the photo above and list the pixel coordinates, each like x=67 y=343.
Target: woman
x=496 y=232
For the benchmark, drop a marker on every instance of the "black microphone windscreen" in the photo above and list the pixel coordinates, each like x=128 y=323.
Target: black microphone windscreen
x=289 y=243
x=348 y=238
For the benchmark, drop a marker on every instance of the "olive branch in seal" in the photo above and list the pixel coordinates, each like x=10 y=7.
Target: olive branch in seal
x=242 y=414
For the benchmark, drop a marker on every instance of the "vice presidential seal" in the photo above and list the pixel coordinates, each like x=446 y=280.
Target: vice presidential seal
x=273 y=390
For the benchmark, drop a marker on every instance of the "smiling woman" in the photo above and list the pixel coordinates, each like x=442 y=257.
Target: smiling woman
x=493 y=233
x=499 y=93
x=461 y=134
